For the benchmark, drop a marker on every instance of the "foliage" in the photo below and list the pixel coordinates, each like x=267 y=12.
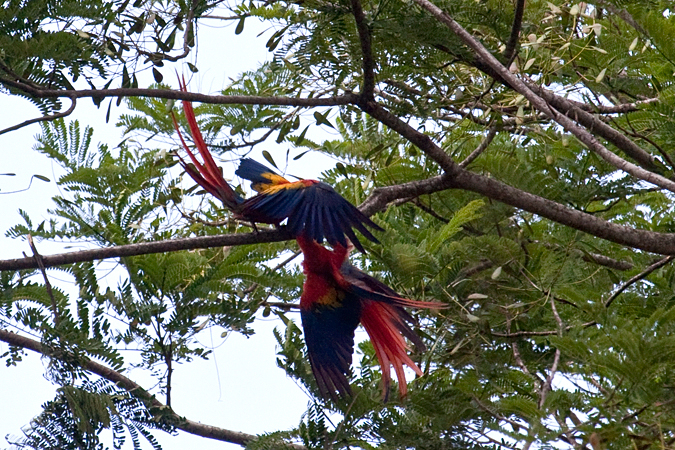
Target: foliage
x=75 y=418
x=551 y=337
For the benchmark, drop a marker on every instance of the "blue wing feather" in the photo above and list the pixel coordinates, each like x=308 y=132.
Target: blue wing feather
x=329 y=334
x=316 y=209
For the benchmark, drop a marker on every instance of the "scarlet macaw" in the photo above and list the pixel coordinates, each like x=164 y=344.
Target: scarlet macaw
x=311 y=206
x=336 y=296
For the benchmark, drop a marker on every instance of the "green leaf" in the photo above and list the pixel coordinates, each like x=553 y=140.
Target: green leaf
x=269 y=158
x=301 y=138
x=301 y=155
x=342 y=169
x=240 y=26
x=462 y=216
x=157 y=75
x=322 y=120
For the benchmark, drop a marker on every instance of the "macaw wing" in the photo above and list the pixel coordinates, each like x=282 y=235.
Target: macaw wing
x=312 y=207
x=271 y=208
x=326 y=214
x=329 y=334
x=206 y=174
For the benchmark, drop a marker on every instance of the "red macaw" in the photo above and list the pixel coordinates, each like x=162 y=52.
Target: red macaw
x=311 y=206
x=336 y=296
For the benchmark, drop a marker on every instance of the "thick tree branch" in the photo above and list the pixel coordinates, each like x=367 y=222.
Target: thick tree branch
x=510 y=50
x=454 y=178
x=144 y=248
x=366 y=49
x=458 y=178
x=155 y=406
x=381 y=197
x=539 y=103
x=421 y=140
x=660 y=243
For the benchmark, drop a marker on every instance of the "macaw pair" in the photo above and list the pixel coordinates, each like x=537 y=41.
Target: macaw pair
x=336 y=296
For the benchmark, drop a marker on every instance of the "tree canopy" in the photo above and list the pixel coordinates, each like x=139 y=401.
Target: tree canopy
x=516 y=153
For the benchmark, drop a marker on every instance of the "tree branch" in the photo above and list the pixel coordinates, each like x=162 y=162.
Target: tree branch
x=48 y=286
x=510 y=50
x=595 y=125
x=518 y=334
x=481 y=148
x=458 y=178
x=178 y=95
x=595 y=258
x=48 y=118
x=660 y=243
x=156 y=407
x=621 y=108
x=366 y=49
x=539 y=103
x=144 y=248
x=658 y=264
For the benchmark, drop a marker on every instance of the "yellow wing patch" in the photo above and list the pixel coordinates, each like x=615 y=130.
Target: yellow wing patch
x=274 y=181
x=273 y=188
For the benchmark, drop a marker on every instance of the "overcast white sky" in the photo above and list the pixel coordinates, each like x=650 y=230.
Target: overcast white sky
x=239 y=388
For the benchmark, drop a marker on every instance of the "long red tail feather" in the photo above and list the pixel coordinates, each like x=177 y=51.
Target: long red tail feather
x=382 y=323
x=209 y=174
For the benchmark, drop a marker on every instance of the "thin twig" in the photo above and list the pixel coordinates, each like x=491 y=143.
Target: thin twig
x=254 y=286
x=282 y=305
x=518 y=334
x=427 y=209
x=495 y=414
x=658 y=264
x=481 y=148
x=48 y=118
x=48 y=286
x=546 y=387
x=516 y=352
